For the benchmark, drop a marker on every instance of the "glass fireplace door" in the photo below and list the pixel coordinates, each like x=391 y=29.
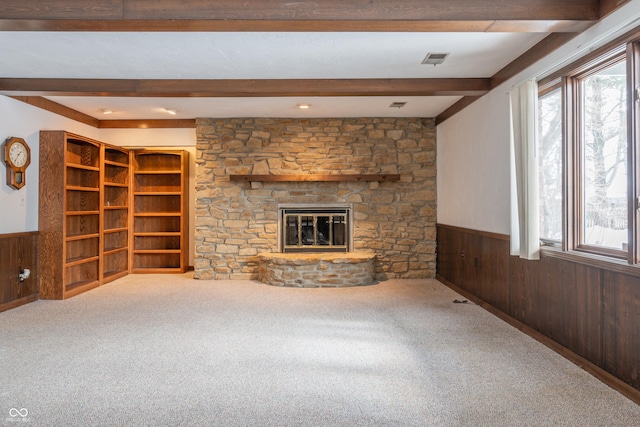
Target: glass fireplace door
x=315 y=232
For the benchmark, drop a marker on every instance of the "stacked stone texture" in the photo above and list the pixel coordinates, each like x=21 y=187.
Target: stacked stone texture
x=237 y=220
x=316 y=269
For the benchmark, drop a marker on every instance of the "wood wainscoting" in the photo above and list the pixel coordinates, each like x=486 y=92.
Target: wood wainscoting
x=587 y=310
x=18 y=250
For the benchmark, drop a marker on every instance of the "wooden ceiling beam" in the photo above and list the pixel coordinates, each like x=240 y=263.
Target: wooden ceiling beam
x=61 y=110
x=245 y=88
x=345 y=26
x=384 y=10
x=530 y=57
x=608 y=6
x=362 y=9
x=543 y=48
x=275 y=15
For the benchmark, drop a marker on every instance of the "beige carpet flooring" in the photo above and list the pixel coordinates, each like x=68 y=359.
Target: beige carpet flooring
x=167 y=350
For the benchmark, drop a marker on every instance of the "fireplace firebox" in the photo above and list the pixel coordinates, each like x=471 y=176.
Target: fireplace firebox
x=315 y=228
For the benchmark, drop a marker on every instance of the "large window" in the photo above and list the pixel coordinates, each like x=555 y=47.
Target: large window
x=586 y=152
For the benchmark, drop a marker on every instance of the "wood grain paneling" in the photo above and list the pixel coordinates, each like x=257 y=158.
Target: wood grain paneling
x=521 y=284
x=50 y=218
x=29 y=260
x=6 y=285
x=61 y=9
x=328 y=10
x=444 y=260
x=494 y=272
x=590 y=310
x=621 y=303
x=470 y=250
x=588 y=316
x=18 y=251
x=554 y=292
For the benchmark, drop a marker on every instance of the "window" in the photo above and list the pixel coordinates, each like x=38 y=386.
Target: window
x=602 y=143
x=550 y=164
x=586 y=151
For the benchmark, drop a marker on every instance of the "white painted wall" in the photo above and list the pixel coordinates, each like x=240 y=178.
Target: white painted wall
x=473 y=145
x=176 y=138
x=473 y=166
x=19 y=208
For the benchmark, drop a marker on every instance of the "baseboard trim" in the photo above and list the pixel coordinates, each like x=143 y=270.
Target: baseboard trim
x=18 y=302
x=604 y=376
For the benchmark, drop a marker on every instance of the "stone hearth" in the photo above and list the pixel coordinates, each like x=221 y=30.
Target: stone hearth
x=313 y=270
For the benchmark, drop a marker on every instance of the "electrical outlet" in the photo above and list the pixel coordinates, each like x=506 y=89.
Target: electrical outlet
x=24 y=274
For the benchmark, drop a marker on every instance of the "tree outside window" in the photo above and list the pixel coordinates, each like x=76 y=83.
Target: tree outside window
x=604 y=208
x=550 y=165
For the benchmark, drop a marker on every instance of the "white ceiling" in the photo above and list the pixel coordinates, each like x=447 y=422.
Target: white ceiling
x=256 y=55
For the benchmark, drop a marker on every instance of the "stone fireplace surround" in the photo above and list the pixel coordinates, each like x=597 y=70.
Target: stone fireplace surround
x=237 y=221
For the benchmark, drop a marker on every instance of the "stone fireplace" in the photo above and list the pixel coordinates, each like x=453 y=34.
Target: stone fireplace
x=392 y=223
x=315 y=244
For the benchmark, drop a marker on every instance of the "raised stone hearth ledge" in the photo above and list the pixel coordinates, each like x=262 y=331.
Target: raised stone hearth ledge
x=313 y=270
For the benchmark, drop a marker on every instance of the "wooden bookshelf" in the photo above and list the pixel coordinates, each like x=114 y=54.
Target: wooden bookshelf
x=69 y=214
x=115 y=213
x=107 y=211
x=159 y=212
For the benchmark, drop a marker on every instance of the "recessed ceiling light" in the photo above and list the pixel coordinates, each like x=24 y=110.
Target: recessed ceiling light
x=303 y=106
x=435 y=58
x=171 y=111
x=106 y=111
x=397 y=104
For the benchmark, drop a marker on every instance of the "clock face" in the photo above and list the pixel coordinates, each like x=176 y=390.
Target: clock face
x=18 y=154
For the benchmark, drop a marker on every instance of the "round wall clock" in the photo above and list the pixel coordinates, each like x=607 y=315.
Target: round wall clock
x=17 y=157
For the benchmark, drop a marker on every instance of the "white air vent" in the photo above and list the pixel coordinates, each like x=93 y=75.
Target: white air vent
x=435 y=58
x=397 y=104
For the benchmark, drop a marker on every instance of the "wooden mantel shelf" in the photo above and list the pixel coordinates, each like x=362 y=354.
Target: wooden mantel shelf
x=315 y=178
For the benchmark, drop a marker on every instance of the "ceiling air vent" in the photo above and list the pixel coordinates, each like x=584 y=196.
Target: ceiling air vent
x=434 y=58
x=397 y=104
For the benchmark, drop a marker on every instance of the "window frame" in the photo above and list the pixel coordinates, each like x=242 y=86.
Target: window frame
x=544 y=90
x=567 y=79
x=633 y=99
x=578 y=147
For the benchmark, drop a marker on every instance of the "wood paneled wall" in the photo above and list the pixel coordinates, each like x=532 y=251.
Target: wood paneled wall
x=586 y=307
x=16 y=251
